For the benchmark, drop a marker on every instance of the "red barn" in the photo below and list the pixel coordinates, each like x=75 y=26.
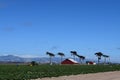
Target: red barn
x=91 y=63
x=69 y=61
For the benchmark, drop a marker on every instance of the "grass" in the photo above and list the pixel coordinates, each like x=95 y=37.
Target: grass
x=23 y=72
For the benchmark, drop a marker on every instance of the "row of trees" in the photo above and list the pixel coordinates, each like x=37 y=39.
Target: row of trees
x=73 y=53
x=52 y=55
x=100 y=54
x=81 y=58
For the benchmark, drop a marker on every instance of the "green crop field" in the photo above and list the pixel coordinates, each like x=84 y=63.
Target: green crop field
x=24 y=72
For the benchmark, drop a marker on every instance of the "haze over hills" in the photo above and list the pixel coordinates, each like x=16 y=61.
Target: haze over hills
x=12 y=58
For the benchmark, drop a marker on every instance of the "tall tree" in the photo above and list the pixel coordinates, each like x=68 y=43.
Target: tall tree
x=50 y=55
x=73 y=53
x=81 y=58
x=61 y=55
x=99 y=54
x=105 y=57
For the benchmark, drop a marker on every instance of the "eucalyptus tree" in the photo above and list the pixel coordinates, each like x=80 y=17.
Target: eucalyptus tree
x=73 y=53
x=50 y=55
x=61 y=55
x=81 y=58
x=105 y=57
x=99 y=54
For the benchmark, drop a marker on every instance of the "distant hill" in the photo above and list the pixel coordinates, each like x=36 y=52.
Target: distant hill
x=12 y=58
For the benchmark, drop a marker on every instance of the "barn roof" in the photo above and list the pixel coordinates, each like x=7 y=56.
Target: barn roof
x=72 y=60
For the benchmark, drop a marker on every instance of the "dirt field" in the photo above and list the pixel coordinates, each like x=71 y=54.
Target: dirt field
x=95 y=76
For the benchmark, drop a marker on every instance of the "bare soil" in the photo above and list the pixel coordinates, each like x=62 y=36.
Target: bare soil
x=94 y=76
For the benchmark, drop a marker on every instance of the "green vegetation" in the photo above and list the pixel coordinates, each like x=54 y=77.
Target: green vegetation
x=33 y=63
x=24 y=72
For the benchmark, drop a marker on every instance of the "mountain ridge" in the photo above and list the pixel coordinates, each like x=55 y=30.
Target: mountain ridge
x=12 y=58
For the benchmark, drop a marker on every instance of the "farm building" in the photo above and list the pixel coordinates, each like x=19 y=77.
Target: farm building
x=69 y=61
x=90 y=63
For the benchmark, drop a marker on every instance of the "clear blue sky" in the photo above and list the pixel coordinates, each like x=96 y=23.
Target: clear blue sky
x=32 y=27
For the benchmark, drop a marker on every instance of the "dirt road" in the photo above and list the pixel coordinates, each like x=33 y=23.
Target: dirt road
x=95 y=76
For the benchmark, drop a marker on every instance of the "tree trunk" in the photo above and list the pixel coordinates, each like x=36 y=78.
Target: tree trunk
x=50 y=60
x=61 y=60
x=80 y=60
x=104 y=60
x=109 y=60
x=74 y=57
x=98 y=60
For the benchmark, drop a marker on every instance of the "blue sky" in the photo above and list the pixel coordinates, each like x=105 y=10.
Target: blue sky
x=32 y=27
